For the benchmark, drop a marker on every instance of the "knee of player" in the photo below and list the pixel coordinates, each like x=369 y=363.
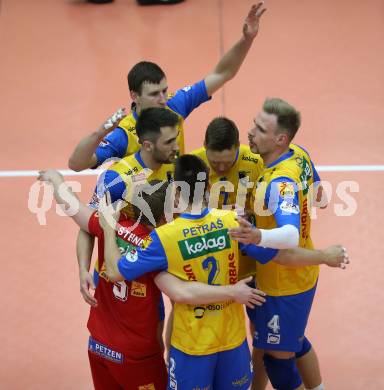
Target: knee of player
x=282 y=372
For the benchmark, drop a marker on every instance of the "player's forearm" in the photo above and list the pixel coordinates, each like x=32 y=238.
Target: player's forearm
x=84 y=156
x=111 y=255
x=228 y=66
x=232 y=60
x=285 y=237
x=201 y=293
x=300 y=257
x=84 y=249
x=70 y=203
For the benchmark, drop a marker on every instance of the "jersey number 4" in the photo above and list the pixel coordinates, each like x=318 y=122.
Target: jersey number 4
x=274 y=324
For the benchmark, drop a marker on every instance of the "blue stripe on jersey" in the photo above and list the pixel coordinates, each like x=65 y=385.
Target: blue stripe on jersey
x=259 y=253
x=195 y=216
x=139 y=159
x=281 y=158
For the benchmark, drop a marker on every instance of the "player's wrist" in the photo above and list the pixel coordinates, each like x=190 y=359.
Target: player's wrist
x=256 y=236
x=83 y=270
x=232 y=292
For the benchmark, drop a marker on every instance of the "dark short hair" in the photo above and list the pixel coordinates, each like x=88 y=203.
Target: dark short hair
x=221 y=134
x=187 y=168
x=288 y=118
x=144 y=72
x=155 y=201
x=151 y=120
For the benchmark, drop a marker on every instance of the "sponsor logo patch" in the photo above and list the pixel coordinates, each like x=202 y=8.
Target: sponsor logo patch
x=146 y=242
x=289 y=207
x=149 y=386
x=286 y=190
x=131 y=256
x=216 y=241
x=138 y=289
x=249 y=158
x=104 y=143
x=273 y=338
x=104 y=351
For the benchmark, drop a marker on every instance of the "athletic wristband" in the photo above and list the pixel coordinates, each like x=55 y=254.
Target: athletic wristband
x=285 y=237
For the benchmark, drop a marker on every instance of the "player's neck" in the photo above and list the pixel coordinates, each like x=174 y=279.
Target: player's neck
x=269 y=158
x=149 y=161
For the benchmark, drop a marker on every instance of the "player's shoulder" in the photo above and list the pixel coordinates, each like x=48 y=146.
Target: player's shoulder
x=247 y=157
x=128 y=123
x=200 y=152
x=300 y=151
x=128 y=165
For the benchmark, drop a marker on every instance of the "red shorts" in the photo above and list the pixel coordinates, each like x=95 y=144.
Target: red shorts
x=146 y=374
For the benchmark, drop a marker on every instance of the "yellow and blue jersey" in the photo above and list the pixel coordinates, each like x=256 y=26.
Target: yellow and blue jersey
x=281 y=198
x=121 y=179
x=123 y=140
x=246 y=169
x=196 y=248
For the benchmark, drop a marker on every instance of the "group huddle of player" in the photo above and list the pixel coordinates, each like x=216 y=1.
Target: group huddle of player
x=201 y=228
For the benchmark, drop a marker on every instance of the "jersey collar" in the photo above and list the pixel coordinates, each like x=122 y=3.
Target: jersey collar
x=281 y=158
x=195 y=216
x=139 y=159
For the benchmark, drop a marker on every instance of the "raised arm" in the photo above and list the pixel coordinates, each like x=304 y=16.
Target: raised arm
x=68 y=200
x=84 y=155
x=230 y=63
x=192 y=292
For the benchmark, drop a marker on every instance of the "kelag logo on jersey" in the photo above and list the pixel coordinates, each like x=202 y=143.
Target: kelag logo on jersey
x=306 y=174
x=209 y=243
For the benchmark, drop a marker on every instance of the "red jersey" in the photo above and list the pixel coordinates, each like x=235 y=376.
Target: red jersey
x=127 y=315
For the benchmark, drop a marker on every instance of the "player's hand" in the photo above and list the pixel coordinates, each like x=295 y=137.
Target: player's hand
x=246 y=295
x=336 y=256
x=245 y=233
x=50 y=176
x=86 y=285
x=109 y=213
x=251 y=23
x=112 y=122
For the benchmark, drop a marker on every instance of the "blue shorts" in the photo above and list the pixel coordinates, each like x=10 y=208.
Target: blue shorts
x=227 y=370
x=281 y=321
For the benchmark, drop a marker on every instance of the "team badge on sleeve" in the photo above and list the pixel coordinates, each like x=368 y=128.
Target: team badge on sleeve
x=131 y=255
x=146 y=242
x=286 y=190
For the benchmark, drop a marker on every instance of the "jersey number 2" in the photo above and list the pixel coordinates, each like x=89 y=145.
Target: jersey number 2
x=210 y=264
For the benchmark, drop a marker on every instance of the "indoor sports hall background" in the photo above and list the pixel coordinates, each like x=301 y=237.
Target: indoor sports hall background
x=63 y=71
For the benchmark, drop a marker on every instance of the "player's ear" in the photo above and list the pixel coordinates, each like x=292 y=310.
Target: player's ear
x=147 y=145
x=134 y=96
x=282 y=139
